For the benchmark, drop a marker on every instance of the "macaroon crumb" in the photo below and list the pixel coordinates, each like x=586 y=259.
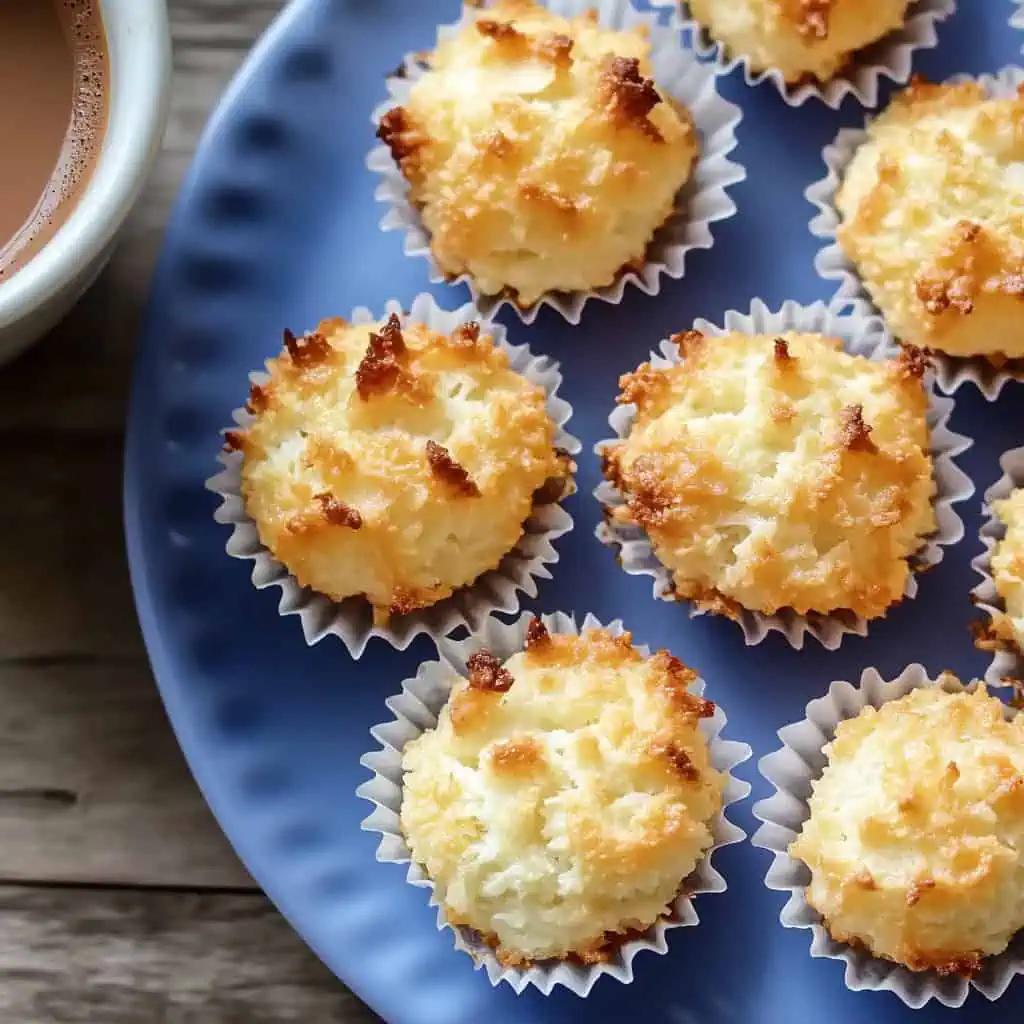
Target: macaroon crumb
x=539 y=151
x=394 y=463
x=915 y=840
x=803 y=39
x=564 y=796
x=931 y=218
x=774 y=472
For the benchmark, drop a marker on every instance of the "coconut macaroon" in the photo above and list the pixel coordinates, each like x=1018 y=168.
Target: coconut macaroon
x=803 y=39
x=933 y=220
x=540 y=153
x=774 y=472
x=564 y=796
x=915 y=840
x=395 y=462
x=1007 y=566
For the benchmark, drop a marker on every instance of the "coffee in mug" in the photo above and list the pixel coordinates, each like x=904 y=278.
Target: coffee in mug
x=54 y=78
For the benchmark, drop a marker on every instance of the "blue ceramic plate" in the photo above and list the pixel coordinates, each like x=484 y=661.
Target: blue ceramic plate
x=276 y=226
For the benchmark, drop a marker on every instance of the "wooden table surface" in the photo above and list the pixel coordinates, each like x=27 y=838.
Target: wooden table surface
x=120 y=900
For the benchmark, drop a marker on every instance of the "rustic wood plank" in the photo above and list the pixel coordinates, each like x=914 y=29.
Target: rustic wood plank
x=69 y=642
x=65 y=577
x=85 y=956
x=92 y=785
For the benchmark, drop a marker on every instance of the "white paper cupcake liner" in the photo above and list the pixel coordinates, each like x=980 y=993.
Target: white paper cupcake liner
x=700 y=203
x=792 y=770
x=834 y=265
x=1007 y=665
x=495 y=591
x=890 y=58
x=864 y=334
x=416 y=711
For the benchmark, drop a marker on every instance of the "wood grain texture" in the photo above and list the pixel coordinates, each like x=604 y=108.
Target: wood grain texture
x=82 y=956
x=127 y=814
x=69 y=641
x=65 y=582
x=92 y=786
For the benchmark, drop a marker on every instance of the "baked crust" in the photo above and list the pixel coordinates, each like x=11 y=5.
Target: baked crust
x=933 y=219
x=804 y=39
x=915 y=841
x=560 y=810
x=778 y=472
x=393 y=462
x=539 y=152
x=1005 y=629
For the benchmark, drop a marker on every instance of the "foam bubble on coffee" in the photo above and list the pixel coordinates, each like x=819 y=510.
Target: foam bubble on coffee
x=54 y=81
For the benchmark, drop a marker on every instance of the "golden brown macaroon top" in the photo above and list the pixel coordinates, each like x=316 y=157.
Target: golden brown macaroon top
x=915 y=840
x=540 y=152
x=932 y=209
x=394 y=462
x=776 y=472
x=564 y=795
x=1005 y=631
x=803 y=39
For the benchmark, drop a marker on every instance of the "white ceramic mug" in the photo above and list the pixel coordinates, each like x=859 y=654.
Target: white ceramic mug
x=41 y=292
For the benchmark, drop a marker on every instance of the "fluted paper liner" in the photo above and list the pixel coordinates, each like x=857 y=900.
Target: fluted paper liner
x=890 y=58
x=1007 y=663
x=792 y=770
x=416 y=711
x=834 y=265
x=863 y=334
x=701 y=202
x=497 y=590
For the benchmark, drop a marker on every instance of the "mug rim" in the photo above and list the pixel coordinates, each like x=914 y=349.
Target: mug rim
x=139 y=53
